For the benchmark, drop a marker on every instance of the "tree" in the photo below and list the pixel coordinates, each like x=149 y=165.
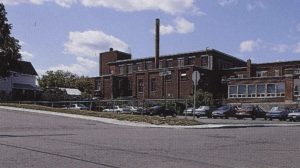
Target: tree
x=203 y=98
x=52 y=80
x=9 y=46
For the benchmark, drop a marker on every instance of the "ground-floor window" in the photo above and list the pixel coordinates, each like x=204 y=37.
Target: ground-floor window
x=256 y=90
x=140 y=85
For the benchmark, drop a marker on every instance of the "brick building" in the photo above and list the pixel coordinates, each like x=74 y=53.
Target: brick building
x=266 y=82
x=121 y=76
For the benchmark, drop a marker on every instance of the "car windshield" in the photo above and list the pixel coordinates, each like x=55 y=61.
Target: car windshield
x=223 y=108
x=81 y=105
x=297 y=111
x=277 y=109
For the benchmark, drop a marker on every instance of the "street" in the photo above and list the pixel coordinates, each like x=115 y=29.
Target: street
x=29 y=140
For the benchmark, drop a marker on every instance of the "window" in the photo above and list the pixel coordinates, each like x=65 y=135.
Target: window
x=169 y=63
x=168 y=78
x=240 y=76
x=97 y=84
x=183 y=76
x=122 y=69
x=297 y=71
x=129 y=85
x=161 y=63
x=180 y=62
x=232 y=91
x=242 y=91
x=140 y=85
x=204 y=61
x=251 y=90
x=153 y=84
x=261 y=73
x=280 y=89
x=261 y=90
x=191 y=60
x=271 y=90
x=129 y=69
x=276 y=72
x=111 y=69
x=149 y=65
x=297 y=90
x=139 y=66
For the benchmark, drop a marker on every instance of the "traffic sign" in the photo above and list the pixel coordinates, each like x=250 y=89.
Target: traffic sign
x=195 y=77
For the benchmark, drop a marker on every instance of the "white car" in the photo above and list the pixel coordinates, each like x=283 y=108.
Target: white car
x=188 y=111
x=201 y=111
x=295 y=115
x=78 y=107
x=117 y=109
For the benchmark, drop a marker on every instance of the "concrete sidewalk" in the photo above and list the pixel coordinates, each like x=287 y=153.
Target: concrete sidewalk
x=147 y=125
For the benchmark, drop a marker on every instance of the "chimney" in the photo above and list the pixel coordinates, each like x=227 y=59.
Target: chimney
x=249 y=69
x=157 y=43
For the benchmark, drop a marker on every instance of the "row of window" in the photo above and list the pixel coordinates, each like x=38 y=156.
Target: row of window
x=256 y=90
x=153 y=82
x=205 y=62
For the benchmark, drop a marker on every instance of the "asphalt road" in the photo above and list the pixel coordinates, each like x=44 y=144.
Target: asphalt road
x=29 y=140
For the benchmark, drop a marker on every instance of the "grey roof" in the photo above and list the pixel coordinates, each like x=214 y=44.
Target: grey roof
x=174 y=55
x=23 y=67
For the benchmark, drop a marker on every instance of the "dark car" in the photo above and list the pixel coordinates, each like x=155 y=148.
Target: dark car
x=250 y=111
x=224 y=111
x=280 y=113
x=161 y=111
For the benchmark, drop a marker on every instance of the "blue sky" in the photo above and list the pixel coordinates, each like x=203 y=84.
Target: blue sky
x=69 y=34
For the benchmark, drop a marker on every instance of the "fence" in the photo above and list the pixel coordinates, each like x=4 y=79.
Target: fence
x=99 y=105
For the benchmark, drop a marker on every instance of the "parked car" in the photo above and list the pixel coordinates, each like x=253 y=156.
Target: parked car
x=205 y=111
x=117 y=109
x=77 y=107
x=224 y=111
x=294 y=115
x=188 y=111
x=250 y=111
x=161 y=111
x=280 y=113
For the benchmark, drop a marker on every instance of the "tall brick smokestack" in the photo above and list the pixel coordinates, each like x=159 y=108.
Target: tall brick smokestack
x=157 y=43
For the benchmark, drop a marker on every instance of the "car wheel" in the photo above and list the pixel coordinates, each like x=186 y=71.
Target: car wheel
x=270 y=119
x=161 y=114
x=174 y=115
x=226 y=117
x=253 y=117
x=214 y=117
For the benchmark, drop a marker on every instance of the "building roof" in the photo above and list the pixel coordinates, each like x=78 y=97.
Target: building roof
x=71 y=91
x=23 y=67
x=175 y=55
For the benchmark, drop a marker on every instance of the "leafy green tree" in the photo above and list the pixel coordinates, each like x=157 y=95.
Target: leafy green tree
x=203 y=98
x=9 y=46
x=52 y=80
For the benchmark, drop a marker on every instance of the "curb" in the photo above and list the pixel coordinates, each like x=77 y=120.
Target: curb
x=146 y=125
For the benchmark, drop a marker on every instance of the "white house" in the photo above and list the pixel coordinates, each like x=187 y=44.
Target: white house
x=21 y=84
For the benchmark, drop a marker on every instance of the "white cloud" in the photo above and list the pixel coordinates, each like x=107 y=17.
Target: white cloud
x=298 y=27
x=297 y=48
x=255 y=5
x=227 y=2
x=181 y=26
x=90 y=43
x=27 y=56
x=280 y=48
x=249 y=45
x=82 y=67
x=184 y=26
x=167 y=6
x=65 y=3
x=168 y=29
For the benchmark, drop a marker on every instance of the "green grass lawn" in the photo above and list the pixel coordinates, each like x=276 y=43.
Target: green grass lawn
x=126 y=117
